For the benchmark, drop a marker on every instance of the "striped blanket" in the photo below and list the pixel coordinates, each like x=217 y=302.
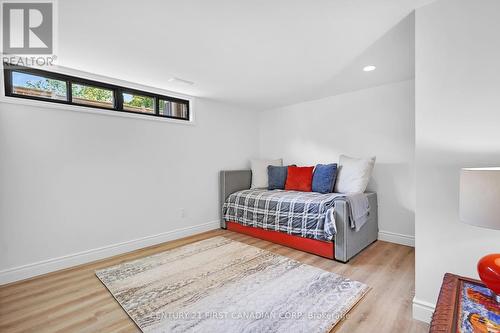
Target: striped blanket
x=305 y=214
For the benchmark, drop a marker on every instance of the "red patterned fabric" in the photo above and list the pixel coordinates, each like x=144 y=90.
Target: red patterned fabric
x=299 y=179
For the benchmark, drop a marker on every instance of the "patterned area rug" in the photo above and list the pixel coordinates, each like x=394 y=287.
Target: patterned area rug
x=220 y=285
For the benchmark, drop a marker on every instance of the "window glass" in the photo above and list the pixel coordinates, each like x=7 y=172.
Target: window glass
x=92 y=96
x=173 y=109
x=38 y=86
x=138 y=103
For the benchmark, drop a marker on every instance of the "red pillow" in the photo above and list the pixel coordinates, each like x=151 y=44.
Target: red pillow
x=299 y=178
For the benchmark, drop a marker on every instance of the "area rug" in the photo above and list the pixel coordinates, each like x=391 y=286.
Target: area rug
x=221 y=285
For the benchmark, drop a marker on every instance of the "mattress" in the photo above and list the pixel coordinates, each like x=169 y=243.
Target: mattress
x=305 y=214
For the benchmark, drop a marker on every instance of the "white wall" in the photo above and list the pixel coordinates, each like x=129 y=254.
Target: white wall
x=377 y=121
x=457 y=125
x=72 y=181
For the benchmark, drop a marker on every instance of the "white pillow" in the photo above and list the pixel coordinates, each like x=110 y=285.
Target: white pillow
x=259 y=171
x=354 y=174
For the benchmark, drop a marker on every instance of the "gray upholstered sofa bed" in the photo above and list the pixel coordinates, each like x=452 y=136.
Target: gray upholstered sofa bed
x=347 y=241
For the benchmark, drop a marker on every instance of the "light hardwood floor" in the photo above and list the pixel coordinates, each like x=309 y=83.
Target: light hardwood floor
x=74 y=300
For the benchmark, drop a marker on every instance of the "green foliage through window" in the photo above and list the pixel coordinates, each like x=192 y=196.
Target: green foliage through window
x=138 y=103
x=92 y=93
x=59 y=87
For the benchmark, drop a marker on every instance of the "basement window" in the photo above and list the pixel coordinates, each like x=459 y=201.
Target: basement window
x=173 y=109
x=37 y=84
x=138 y=103
x=92 y=96
x=25 y=84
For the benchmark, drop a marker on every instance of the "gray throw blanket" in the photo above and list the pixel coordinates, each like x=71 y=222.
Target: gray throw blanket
x=359 y=209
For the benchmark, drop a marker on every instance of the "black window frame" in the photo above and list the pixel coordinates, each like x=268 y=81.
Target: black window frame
x=118 y=92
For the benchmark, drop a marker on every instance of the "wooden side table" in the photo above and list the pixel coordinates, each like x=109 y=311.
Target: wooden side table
x=465 y=305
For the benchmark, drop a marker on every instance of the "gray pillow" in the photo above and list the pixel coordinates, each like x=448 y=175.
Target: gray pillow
x=259 y=171
x=277 y=177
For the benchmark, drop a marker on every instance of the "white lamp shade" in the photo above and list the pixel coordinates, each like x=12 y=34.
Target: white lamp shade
x=480 y=197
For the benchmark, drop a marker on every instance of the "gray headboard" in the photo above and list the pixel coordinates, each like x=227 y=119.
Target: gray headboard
x=232 y=181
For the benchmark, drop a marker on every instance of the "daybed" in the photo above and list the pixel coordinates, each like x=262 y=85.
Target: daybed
x=343 y=244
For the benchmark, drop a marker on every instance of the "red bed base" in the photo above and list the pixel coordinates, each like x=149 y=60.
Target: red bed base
x=320 y=248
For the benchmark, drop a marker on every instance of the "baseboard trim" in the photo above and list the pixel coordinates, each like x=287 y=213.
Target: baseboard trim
x=423 y=310
x=46 y=266
x=396 y=238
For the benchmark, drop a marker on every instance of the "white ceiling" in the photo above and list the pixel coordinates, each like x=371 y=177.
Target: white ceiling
x=257 y=53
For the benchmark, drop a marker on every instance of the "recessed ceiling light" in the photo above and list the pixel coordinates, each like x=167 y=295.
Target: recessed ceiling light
x=178 y=80
x=369 y=68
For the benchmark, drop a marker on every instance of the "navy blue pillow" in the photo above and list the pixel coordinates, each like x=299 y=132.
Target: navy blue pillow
x=324 y=177
x=277 y=177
